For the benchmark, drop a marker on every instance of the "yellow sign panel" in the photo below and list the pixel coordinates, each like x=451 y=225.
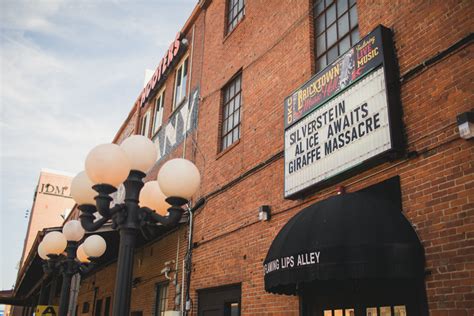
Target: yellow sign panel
x=46 y=310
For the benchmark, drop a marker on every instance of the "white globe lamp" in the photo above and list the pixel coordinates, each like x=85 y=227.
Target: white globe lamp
x=152 y=197
x=141 y=152
x=81 y=189
x=107 y=164
x=94 y=246
x=179 y=178
x=81 y=255
x=43 y=255
x=73 y=230
x=54 y=243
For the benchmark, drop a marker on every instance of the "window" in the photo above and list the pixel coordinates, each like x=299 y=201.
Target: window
x=232 y=95
x=107 y=306
x=161 y=299
x=85 y=307
x=180 y=83
x=158 y=116
x=145 y=126
x=98 y=308
x=336 y=29
x=235 y=13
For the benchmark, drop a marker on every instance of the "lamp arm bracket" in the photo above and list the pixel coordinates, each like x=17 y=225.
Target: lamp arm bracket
x=85 y=268
x=87 y=221
x=103 y=199
x=173 y=217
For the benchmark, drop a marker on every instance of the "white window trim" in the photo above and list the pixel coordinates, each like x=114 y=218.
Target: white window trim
x=145 y=124
x=181 y=63
x=160 y=96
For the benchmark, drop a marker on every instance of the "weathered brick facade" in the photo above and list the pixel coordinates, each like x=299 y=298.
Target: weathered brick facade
x=273 y=48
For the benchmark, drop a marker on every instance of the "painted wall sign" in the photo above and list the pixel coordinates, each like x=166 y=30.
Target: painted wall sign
x=52 y=189
x=357 y=62
x=183 y=121
x=175 y=49
x=354 y=120
x=298 y=260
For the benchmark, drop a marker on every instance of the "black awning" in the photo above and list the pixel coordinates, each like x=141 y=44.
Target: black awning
x=361 y=235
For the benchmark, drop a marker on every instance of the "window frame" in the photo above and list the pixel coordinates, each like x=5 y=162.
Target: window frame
x=224 y=129
x=145 y=124
x=159 y=96
x=231 y=22
x=161 y=303
x=352 y=34
x=177 y=103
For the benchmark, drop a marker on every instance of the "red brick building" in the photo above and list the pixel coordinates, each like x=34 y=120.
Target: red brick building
x=256 y=56
x=242 y=86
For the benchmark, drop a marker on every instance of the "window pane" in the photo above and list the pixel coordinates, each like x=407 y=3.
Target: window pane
x=338 y=312
x=231 y=106
x=236 y=118
x=238 y=85
x=224 y=127
x=232 y=89
x=331 y=15
x=226 y=112
x=238 y=115
x=328 y=313
x=344 y=44
x=352 y=2
x=332 y=54
x=320 y=44
x=355 y=36
x=353 y=13
x=229 y=124
x=237 y=102
x=321 y=62
x=343 y=24
x=332 y=35
x=319 y=7
x=400 y=310
x=235 y=134
x=328 y=2
x=385 y=311
x=349 y=312
x=371 y=311
x=341 y=7
x=320 y=25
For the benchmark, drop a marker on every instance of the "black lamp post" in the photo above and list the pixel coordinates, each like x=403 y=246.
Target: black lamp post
x=107 y=166
x=74 y=261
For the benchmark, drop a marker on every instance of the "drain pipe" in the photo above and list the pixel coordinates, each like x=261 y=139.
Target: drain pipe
x=188 y=258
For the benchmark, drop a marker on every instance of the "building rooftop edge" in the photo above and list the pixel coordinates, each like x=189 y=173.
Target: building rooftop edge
x=58 y=172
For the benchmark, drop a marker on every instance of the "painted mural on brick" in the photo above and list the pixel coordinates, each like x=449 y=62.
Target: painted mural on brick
x=183 y=121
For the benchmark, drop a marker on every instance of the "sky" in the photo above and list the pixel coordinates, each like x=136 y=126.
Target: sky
x=70 y=72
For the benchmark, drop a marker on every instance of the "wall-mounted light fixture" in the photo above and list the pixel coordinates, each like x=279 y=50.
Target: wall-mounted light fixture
x=264 y=213
x=466 y=124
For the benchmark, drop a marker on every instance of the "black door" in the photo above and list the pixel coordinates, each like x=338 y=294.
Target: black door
x=363 y=298
x=222 y=301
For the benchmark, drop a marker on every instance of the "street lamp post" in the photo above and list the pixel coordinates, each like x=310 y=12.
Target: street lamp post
x=76 y=259
x=161 y=201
